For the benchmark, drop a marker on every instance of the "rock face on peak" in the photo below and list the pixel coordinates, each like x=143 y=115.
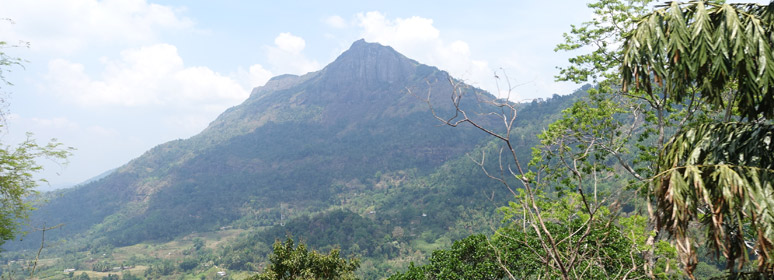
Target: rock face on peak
x=294 y=141
x=369 y=65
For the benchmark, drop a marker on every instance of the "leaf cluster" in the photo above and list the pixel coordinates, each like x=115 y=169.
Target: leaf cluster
x=18 y=167
x=721 y=174
x=709 y=47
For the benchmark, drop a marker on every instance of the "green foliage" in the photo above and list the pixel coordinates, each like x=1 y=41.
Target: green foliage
x=613 y=20
x=706 y=271
x=515 y=251
x=634 y=228
x=198 y=244
x=291 y=262
x=188 y=264
x=473 y=257
x=355 y=234
x=720 y=174
x=679 y=67
x=18 y=166
x=723 y=52
x=590 y=246
x=719 y=56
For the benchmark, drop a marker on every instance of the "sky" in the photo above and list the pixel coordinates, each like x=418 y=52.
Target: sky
x=115 y=78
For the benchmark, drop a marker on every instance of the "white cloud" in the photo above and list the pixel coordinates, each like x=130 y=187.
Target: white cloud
x=416 y=37
x=290 y=43
x=336 y=22
x=153 y=75
x=286 y=56
x=399 y=32
x=68 y=26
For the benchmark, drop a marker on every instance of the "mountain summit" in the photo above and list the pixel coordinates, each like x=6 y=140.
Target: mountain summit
x=369 y=65
x=297 y=141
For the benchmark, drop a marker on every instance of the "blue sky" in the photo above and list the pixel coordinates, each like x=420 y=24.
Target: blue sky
x=114 y=78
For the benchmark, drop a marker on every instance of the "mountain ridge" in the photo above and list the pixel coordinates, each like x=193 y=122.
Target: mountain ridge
x=332 y=125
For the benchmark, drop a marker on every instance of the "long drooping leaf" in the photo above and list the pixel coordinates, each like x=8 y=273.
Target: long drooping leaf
x=709 y=47
x=727 y=168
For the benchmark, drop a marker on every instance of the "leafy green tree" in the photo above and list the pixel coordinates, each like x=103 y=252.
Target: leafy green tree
x=296 y=262
x=188 y=264
x=717 y=170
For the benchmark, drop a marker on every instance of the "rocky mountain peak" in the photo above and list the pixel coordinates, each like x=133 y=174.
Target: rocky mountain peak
x=369 y=64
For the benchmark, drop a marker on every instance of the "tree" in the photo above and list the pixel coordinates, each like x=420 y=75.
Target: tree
x=7 y=61
x=291 y=262
x=718 y=170
x=19 y=165
x=473 y=257
x=188 y=264
x=516 y=253
x=564 y=167
x=692 y=78
x=611 y=125
x=569 y=162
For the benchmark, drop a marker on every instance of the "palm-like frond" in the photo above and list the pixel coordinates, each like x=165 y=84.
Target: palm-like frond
x=727 y=169
x=708 y=47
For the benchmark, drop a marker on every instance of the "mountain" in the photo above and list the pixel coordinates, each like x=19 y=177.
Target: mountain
x=291 y=142
x=343 y=157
